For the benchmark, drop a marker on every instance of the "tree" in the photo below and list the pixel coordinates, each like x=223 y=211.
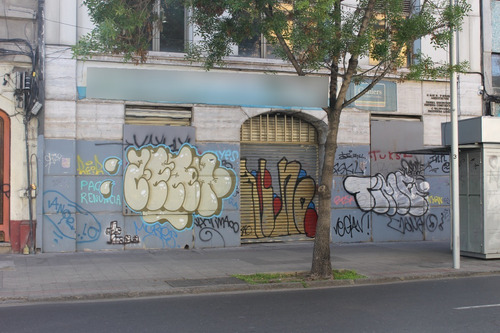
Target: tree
x=122 y=27
x=329 y=36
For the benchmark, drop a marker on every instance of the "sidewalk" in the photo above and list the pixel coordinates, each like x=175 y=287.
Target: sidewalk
x=97 y=275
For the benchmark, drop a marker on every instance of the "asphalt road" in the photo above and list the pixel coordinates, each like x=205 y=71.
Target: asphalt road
x=455 y=305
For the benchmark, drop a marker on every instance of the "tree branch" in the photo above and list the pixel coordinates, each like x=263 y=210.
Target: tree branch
x=376 y=80
x=353 y=60
x=289 y=54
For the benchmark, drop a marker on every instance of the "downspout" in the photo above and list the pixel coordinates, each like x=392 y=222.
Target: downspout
x=28 y=178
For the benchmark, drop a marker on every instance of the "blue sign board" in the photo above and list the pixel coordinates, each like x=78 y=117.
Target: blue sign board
x=382 y=97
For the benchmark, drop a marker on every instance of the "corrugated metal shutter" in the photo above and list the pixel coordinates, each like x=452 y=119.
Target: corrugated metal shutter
x=278 y=128
x=278 y=172
x=157 y=115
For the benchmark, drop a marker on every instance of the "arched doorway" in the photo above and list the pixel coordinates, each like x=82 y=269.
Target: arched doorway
x=4 y=177
x=278 y=175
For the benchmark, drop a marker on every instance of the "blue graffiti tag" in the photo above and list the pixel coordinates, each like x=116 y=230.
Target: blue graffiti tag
x=61 y=212
x=157 y=230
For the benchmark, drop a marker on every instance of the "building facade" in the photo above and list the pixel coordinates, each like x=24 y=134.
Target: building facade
x=167 y=155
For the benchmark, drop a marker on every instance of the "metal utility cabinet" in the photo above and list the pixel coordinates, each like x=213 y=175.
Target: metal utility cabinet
x=479 y=172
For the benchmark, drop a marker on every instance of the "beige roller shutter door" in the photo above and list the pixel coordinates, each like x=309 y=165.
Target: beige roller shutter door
x=278 y=173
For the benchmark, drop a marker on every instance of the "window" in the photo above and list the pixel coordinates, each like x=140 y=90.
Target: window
x=404 y=57
x=172 y=34
x=256 y=47
x=495 y=69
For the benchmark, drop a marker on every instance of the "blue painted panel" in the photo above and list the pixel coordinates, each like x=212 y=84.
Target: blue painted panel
x=349 y=160
x=54 y=240
x=217 y=231
x=438 y=224
x=350 y=225
x=89 y=195
x=59 y=194
x=340 y=197
x=62 y=215
x=59 y=157
x=156 y=235
x=398 y=227
x=352 y=160
x=437 y=165
x=439 y=192
x=93 y=155
x=92 y=233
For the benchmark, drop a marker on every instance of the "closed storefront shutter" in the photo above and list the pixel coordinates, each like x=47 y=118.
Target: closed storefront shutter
x=278 y=173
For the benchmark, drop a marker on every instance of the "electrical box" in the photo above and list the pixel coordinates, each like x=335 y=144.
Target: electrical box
x=479 y=186
x=23 y=81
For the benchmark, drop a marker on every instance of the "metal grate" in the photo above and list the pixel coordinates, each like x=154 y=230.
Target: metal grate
x=278 y=128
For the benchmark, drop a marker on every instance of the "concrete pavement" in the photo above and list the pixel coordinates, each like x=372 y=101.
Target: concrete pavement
x=136 y=273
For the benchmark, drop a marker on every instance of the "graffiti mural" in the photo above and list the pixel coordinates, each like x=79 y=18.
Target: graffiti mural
x=273 y=213
x=62 y=214
x=157 y=235
x=98 y=192
x=349 y=161
x=351 y=224
x=409 y=200
x=171 y=136
x=214 y=229
x=114 y=232
x=173 y=143
x=400 y=192
x=163 y=186
x=92 y=167
x=428 y=222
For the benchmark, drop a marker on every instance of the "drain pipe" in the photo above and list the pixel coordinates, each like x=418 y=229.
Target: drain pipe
x=29 y=188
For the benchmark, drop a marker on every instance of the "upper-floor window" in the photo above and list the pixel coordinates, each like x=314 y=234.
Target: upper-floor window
x=405 y=55
x=256 y=47
x=495 y=69
x=172 y=33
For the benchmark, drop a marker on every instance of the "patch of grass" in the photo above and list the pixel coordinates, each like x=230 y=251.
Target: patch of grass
x=302 y=277
x=346 y=274
x=262 y=278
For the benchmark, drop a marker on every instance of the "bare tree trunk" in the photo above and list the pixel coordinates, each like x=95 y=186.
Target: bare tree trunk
x=321 y=263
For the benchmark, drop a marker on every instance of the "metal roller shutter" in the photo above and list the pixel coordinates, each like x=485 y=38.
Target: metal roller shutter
x=278 y=172
x=157 y=115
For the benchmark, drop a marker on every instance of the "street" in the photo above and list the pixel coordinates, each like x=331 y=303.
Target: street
x=451 y=305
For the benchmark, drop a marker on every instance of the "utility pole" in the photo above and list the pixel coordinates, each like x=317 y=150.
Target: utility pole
x=455 y=206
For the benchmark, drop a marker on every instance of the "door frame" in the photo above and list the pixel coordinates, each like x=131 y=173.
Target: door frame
x=5 y=182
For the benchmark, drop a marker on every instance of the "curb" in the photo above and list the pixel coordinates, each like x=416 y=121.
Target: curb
x=238 y=287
